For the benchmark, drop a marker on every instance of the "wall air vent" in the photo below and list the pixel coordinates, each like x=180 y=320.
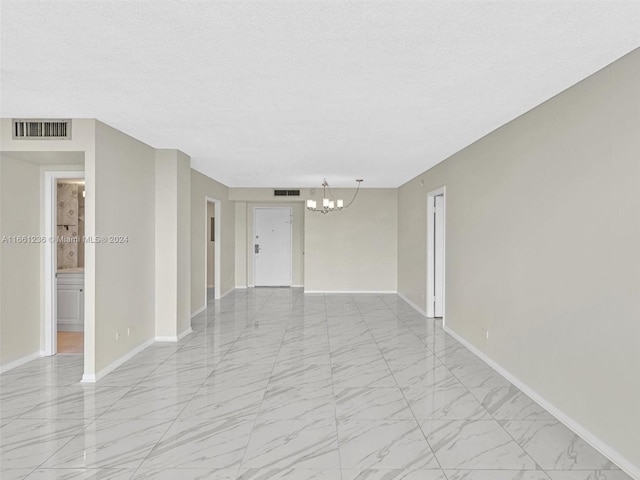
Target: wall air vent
x=286 y=193
x=33 y=129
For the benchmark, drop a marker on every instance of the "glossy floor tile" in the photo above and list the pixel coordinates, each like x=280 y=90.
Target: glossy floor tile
x=274 y=384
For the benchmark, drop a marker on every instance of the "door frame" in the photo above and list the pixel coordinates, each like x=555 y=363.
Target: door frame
x=253 y=240
x=431 y=251
x=49 y=320
x=217 y=212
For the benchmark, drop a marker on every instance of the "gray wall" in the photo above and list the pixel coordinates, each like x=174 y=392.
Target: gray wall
x=543 y=250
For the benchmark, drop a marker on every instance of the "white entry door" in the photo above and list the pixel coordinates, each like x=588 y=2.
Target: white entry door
x=438 y=261
x=272 y=247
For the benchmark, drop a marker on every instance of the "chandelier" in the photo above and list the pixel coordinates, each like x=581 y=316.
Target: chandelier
x=328 y=203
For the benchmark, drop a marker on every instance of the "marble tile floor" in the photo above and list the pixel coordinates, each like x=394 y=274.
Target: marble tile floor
x=275 y=384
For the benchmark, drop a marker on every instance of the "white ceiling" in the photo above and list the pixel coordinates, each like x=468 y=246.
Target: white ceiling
x=277 y=94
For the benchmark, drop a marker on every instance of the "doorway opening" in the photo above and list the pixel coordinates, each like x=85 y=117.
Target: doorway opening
x=211 y=241
x=436 y=245
x=212 y=249
x=272 y=243
x=64 y=216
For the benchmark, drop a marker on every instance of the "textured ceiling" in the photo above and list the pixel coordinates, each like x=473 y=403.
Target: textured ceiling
x=285 y=93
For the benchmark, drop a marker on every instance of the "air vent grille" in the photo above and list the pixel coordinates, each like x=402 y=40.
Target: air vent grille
x=286 y=193
x=42 y=129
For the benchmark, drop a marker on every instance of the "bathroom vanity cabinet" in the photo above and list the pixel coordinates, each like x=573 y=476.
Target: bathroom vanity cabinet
x=70 y=300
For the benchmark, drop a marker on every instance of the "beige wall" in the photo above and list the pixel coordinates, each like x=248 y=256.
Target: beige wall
x=184 y=243
x=125 y=279
x=355 y=249
x=201 y=188
x=210 y=246
x=20 y=284
x=241 y=244
x=542 y=250
x=352 y=250
x=166 y=243
x=120 y=185
x=173 y=235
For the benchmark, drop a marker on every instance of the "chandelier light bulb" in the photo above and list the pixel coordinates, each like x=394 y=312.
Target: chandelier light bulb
x=329 y=205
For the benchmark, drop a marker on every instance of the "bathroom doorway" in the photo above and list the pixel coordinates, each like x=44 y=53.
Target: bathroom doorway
x=64 y=262
x=70 y=227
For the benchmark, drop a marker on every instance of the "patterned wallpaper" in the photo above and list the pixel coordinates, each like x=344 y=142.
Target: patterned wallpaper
x=68 y=225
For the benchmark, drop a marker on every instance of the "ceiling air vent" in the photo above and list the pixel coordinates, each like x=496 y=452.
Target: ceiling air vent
x=286 y=193
x=42 y=129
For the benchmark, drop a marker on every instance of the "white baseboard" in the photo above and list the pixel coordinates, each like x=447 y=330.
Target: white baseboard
x=241 y=287
x=253 y=286
x=113 y=365
x=413 y=305
x=570 y=423
x=166 y=339
x=174 y=338
x=184 y=334
x=227 y=292
x=376 y=292
x=21 y=361
x=199 y=311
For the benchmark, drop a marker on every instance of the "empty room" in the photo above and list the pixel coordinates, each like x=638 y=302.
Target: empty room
x=320 y=240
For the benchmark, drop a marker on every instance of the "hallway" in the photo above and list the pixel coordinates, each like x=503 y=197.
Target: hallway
x=277 y=384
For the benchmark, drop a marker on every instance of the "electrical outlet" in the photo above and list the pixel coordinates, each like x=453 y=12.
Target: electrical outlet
x=129 y=332
x=486 y=334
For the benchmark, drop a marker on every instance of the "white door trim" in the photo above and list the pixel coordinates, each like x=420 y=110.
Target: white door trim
x=431 y=251
x=253 y=241
x=216 y=247
x=50 y=326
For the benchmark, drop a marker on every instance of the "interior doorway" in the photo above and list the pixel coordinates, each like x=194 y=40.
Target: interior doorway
x=64 y=216
x=436 y=246
x=213 y=240
x=272 y=246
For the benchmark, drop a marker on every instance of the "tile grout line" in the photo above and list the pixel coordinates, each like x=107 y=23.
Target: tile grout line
x=183 y=409
x=400 y=389
x=333 y=386
x=483 y=407
x=255 y=420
